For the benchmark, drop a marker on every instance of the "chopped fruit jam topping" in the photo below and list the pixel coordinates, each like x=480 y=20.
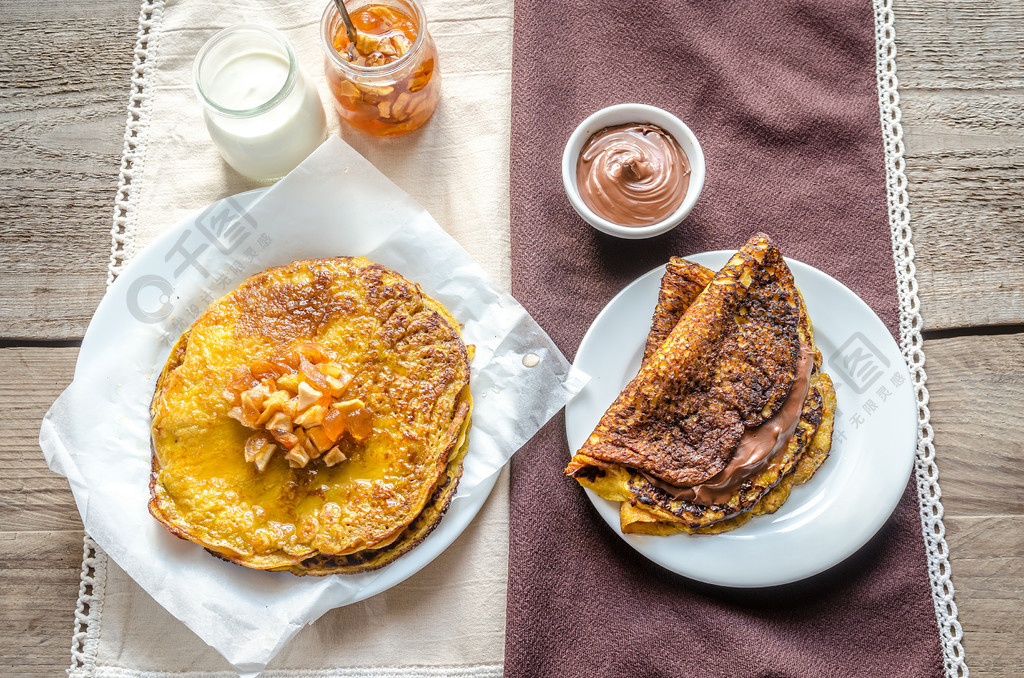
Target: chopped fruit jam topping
x=383 y=34
x=296 y=401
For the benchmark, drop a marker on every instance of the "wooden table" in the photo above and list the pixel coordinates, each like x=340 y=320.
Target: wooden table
x=961 y=67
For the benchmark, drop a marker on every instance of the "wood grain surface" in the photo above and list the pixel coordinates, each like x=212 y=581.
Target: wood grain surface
x=960 y=65
x=63 y=107
x=62 y=113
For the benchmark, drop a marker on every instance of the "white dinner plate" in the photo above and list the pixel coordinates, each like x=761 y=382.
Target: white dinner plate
x=853 y=493
x=113 y=314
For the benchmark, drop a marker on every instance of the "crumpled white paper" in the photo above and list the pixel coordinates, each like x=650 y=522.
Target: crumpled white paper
x=97 y=432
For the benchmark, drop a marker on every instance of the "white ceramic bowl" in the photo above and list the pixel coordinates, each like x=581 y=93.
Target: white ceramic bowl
x=621 y=114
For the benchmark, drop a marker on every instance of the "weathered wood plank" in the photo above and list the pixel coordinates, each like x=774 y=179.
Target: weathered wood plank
x=988 y=566
x=960 y=44
x=39 y=577
x=962 y=94
x=940 y=120
x=63 y=98
x=965 y=164
x=32 y=497
x=976 y=386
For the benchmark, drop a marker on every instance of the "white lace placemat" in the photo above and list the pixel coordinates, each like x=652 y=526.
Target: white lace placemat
x=929 y=495
x=449 y=619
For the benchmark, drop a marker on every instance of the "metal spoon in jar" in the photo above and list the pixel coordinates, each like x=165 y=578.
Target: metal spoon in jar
x=350 y=29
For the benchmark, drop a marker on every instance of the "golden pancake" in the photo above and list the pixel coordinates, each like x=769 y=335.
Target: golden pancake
x=417 y=530
x=719 y=355
x=315 y=419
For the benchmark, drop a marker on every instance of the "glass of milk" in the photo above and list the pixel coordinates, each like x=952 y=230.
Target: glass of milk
x=262 y=111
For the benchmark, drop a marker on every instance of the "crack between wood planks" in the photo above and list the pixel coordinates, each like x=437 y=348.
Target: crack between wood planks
x=39 y=343
x=982 y=331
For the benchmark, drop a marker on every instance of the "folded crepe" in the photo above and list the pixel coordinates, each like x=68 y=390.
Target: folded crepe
x=729 y=409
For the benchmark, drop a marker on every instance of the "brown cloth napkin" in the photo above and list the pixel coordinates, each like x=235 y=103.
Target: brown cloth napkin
x=783 y=98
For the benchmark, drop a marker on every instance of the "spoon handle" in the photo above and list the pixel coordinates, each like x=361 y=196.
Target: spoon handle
x=349 y=28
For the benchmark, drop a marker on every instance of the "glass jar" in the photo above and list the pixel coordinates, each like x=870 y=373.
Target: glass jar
x=389 y=99
x=263 y=113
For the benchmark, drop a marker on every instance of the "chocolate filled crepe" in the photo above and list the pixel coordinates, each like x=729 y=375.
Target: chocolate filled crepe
x=729 y=409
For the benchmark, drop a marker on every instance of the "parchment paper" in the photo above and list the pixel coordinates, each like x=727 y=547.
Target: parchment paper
x=97 y=432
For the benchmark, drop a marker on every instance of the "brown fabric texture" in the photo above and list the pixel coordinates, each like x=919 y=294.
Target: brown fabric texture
x=783 y=99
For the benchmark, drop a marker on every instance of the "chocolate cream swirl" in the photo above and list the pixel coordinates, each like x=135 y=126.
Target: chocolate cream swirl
x=633 y=175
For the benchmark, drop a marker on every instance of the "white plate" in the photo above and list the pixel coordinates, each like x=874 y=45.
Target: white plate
x=464 y=505
x=848 y=499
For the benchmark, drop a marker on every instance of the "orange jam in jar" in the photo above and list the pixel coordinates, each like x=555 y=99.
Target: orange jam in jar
x=387 y=83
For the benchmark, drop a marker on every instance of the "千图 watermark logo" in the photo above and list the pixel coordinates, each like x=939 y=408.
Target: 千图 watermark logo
x=226 y=228
x=858 y=363
x=226 y=225
x=870 y=384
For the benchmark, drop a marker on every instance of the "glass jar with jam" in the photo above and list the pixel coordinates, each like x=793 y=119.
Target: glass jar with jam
x=387 y=83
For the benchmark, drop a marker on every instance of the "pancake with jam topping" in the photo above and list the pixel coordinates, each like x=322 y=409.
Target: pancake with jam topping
x=728 y=409
x=313 y=420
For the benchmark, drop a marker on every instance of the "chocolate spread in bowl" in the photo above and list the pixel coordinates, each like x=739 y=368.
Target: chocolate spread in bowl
x=633 y=174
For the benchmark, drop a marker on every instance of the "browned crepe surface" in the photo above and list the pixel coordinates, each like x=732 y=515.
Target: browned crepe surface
x=727 y=366
x=682 y=283
x=649 y=506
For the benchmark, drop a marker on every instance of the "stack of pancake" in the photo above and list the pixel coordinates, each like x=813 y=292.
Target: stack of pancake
x=729 y=409
x=313 y=499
